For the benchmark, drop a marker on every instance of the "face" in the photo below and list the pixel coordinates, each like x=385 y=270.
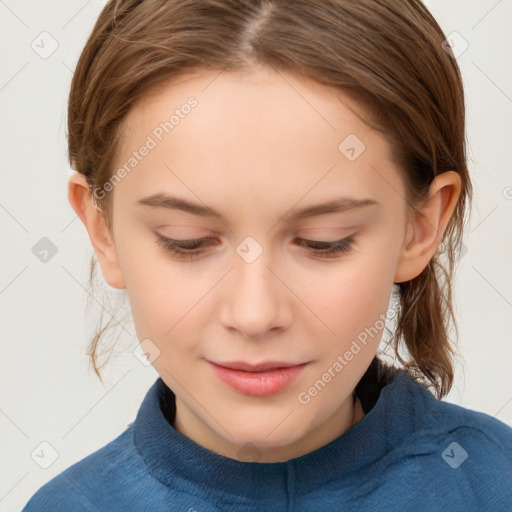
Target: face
x=263 y=282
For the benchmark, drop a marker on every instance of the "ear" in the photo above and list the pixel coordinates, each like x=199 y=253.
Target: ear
x=426 y=228
x=82 y=202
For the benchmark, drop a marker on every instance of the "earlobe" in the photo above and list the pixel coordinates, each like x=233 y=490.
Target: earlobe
x=81 y=201
x=426 y=228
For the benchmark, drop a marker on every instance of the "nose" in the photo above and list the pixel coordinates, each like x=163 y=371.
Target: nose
x=255 y=301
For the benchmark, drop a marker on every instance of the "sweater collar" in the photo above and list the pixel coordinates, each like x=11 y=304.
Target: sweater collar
x=176 y=460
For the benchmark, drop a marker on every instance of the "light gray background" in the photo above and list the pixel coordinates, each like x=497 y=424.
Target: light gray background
x=48 y=394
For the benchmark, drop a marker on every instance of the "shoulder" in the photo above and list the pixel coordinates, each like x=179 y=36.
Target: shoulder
x=484 y=438
x=485 y=426
x=462 y=454
x=436 y=419
x=59 y=494
x=82 y=486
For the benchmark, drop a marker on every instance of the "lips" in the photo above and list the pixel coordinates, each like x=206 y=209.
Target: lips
x=262 y=379
x=258 y=367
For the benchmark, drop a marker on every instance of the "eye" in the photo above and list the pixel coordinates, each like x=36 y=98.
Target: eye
x=330 y=249
x=182 y=248
x=188 y=249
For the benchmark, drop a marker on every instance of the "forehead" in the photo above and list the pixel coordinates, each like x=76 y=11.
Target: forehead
x=262 y=100
x=267 y=133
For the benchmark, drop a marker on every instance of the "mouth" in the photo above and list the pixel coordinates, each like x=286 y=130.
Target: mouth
x=262 y=379
x=257 y=367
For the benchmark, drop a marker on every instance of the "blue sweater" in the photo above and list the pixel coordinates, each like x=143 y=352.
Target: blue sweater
x=411 y=452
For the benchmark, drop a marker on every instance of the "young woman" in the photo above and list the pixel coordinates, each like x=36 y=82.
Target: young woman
x=259 y=176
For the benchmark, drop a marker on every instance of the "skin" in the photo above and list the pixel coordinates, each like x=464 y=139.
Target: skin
x=259 y=146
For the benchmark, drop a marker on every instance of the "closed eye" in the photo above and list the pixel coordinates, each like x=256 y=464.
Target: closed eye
x=189 y=249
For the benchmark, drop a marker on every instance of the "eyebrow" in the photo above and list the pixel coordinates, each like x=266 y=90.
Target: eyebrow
x=338 y=205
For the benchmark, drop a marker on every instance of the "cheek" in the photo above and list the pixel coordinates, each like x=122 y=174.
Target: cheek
x=161 y=294
x=163 y=305
x=351 y=299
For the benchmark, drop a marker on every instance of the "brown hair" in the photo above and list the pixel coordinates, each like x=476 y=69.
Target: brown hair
x=387 y=54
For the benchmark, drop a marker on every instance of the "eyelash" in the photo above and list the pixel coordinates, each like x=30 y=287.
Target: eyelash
x=179 y=247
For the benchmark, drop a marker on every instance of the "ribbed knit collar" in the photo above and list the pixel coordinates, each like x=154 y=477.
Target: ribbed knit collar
x=176 y=460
